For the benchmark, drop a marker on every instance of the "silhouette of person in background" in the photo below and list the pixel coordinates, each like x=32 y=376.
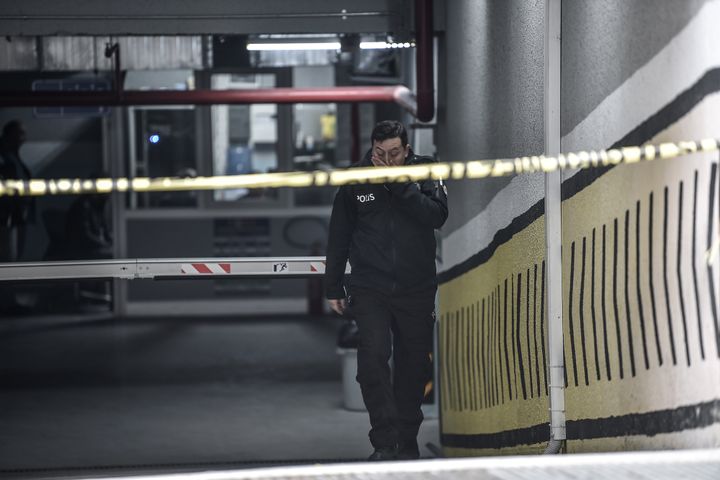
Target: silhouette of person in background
x=15 y=211
x=86 y=228
x=87 y=237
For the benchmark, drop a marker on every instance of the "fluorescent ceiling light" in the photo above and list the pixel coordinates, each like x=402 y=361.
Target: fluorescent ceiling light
x=384 y=45
x=294 y=46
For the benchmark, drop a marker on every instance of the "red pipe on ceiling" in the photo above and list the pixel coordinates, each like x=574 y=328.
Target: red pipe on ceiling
x=398 y=94
x=423 y=108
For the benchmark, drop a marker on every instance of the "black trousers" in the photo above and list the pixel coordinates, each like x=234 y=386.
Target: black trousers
x=401 y=326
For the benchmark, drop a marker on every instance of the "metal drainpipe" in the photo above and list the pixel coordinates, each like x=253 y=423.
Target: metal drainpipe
x=112 y=50
x=354 y=134
x=553 y=229
x=424 y=70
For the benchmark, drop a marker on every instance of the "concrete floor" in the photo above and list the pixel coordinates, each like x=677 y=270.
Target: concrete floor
x=89 y=393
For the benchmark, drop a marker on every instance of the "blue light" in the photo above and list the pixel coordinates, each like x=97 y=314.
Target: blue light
x=154 y=138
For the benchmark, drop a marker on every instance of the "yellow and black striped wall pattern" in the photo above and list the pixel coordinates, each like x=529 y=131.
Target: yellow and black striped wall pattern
x=642 y=348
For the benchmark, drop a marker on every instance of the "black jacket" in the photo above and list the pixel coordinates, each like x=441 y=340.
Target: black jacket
x=388 y=233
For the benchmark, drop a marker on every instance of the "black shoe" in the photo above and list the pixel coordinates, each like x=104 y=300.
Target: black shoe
x=408 y=450
x=384 y=454
x=408 y=455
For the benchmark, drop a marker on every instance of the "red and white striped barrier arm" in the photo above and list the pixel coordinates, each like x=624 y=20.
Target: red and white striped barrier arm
x=129 y=269
x=205 y=268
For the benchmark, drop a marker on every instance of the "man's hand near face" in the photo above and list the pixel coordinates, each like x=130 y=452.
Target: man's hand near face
x=389 y=153
x=379 y=162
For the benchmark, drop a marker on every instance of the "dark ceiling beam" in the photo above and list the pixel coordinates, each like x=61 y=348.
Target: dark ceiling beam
x=192 y=17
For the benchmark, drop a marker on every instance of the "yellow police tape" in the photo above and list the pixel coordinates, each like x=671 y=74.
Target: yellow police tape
x=449 y=170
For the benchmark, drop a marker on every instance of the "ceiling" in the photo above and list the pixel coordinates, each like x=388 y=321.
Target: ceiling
x=191 y=17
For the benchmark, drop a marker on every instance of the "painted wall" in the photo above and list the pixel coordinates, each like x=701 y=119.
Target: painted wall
x=642 y=347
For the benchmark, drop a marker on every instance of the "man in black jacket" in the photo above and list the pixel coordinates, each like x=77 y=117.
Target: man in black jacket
x=388 y=234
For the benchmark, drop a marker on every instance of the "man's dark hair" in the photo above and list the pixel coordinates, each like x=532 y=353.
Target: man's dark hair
x=388 y=129
x=11 y=127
